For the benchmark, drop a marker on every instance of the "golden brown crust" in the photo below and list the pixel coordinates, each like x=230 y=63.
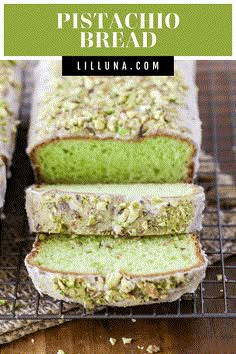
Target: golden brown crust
x=190 y=167
x=38 y=243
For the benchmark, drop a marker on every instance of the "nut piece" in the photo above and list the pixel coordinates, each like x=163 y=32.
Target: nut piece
x=127 y=340
x=113 y=280
x=101 y=206
x=92 y=220
x=156 y=200
x=126 y=285
x=112 y=341
x=153 y=348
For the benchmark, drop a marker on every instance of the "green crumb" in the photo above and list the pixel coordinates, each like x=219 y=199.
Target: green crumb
x=157 y=159
x=93 y=253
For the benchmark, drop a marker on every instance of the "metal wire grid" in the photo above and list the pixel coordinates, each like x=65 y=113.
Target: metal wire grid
x=216 y=295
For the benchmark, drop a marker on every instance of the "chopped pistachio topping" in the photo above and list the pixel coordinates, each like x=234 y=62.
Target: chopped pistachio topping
x=120 y=107
x=91 y=214
x=173 y=218
x=116 y=288
x=113 y=279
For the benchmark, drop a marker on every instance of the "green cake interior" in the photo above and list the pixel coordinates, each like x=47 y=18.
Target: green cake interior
x=105 y=254
x=159 y=160
x=162 y=190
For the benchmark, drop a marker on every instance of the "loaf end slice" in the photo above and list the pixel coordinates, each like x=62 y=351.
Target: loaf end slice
x=114 y=129
x=98 y=271
x=119 y=210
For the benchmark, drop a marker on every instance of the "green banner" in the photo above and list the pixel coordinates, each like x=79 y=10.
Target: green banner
x=109 y=29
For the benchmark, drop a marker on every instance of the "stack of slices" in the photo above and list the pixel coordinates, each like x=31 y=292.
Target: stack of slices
x=115 y=223
x=10 y=88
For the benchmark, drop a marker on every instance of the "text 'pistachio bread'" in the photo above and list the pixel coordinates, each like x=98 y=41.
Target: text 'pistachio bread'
x=111 y=209
x=98 y=271
x=132 y=129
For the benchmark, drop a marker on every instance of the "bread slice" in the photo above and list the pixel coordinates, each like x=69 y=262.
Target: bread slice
x=10 y=89
x=137 y=129
x=120 y=210
x=98 y=271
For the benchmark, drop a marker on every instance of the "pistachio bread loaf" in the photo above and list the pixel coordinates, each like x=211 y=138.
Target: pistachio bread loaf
x=137 y=129
x=119 y=210
x=98 y=271
x=10 y=89
x=9 y=106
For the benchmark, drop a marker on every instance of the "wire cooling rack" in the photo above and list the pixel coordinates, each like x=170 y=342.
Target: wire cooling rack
x=216 y=296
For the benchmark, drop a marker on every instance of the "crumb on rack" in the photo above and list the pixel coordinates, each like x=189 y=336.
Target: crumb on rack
x=60 y=351
x=127 y=340
x=219 y=277
x=133 y=320
x=112 y=341
x=32 y=340
x=2 y=216
x=153 y=348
